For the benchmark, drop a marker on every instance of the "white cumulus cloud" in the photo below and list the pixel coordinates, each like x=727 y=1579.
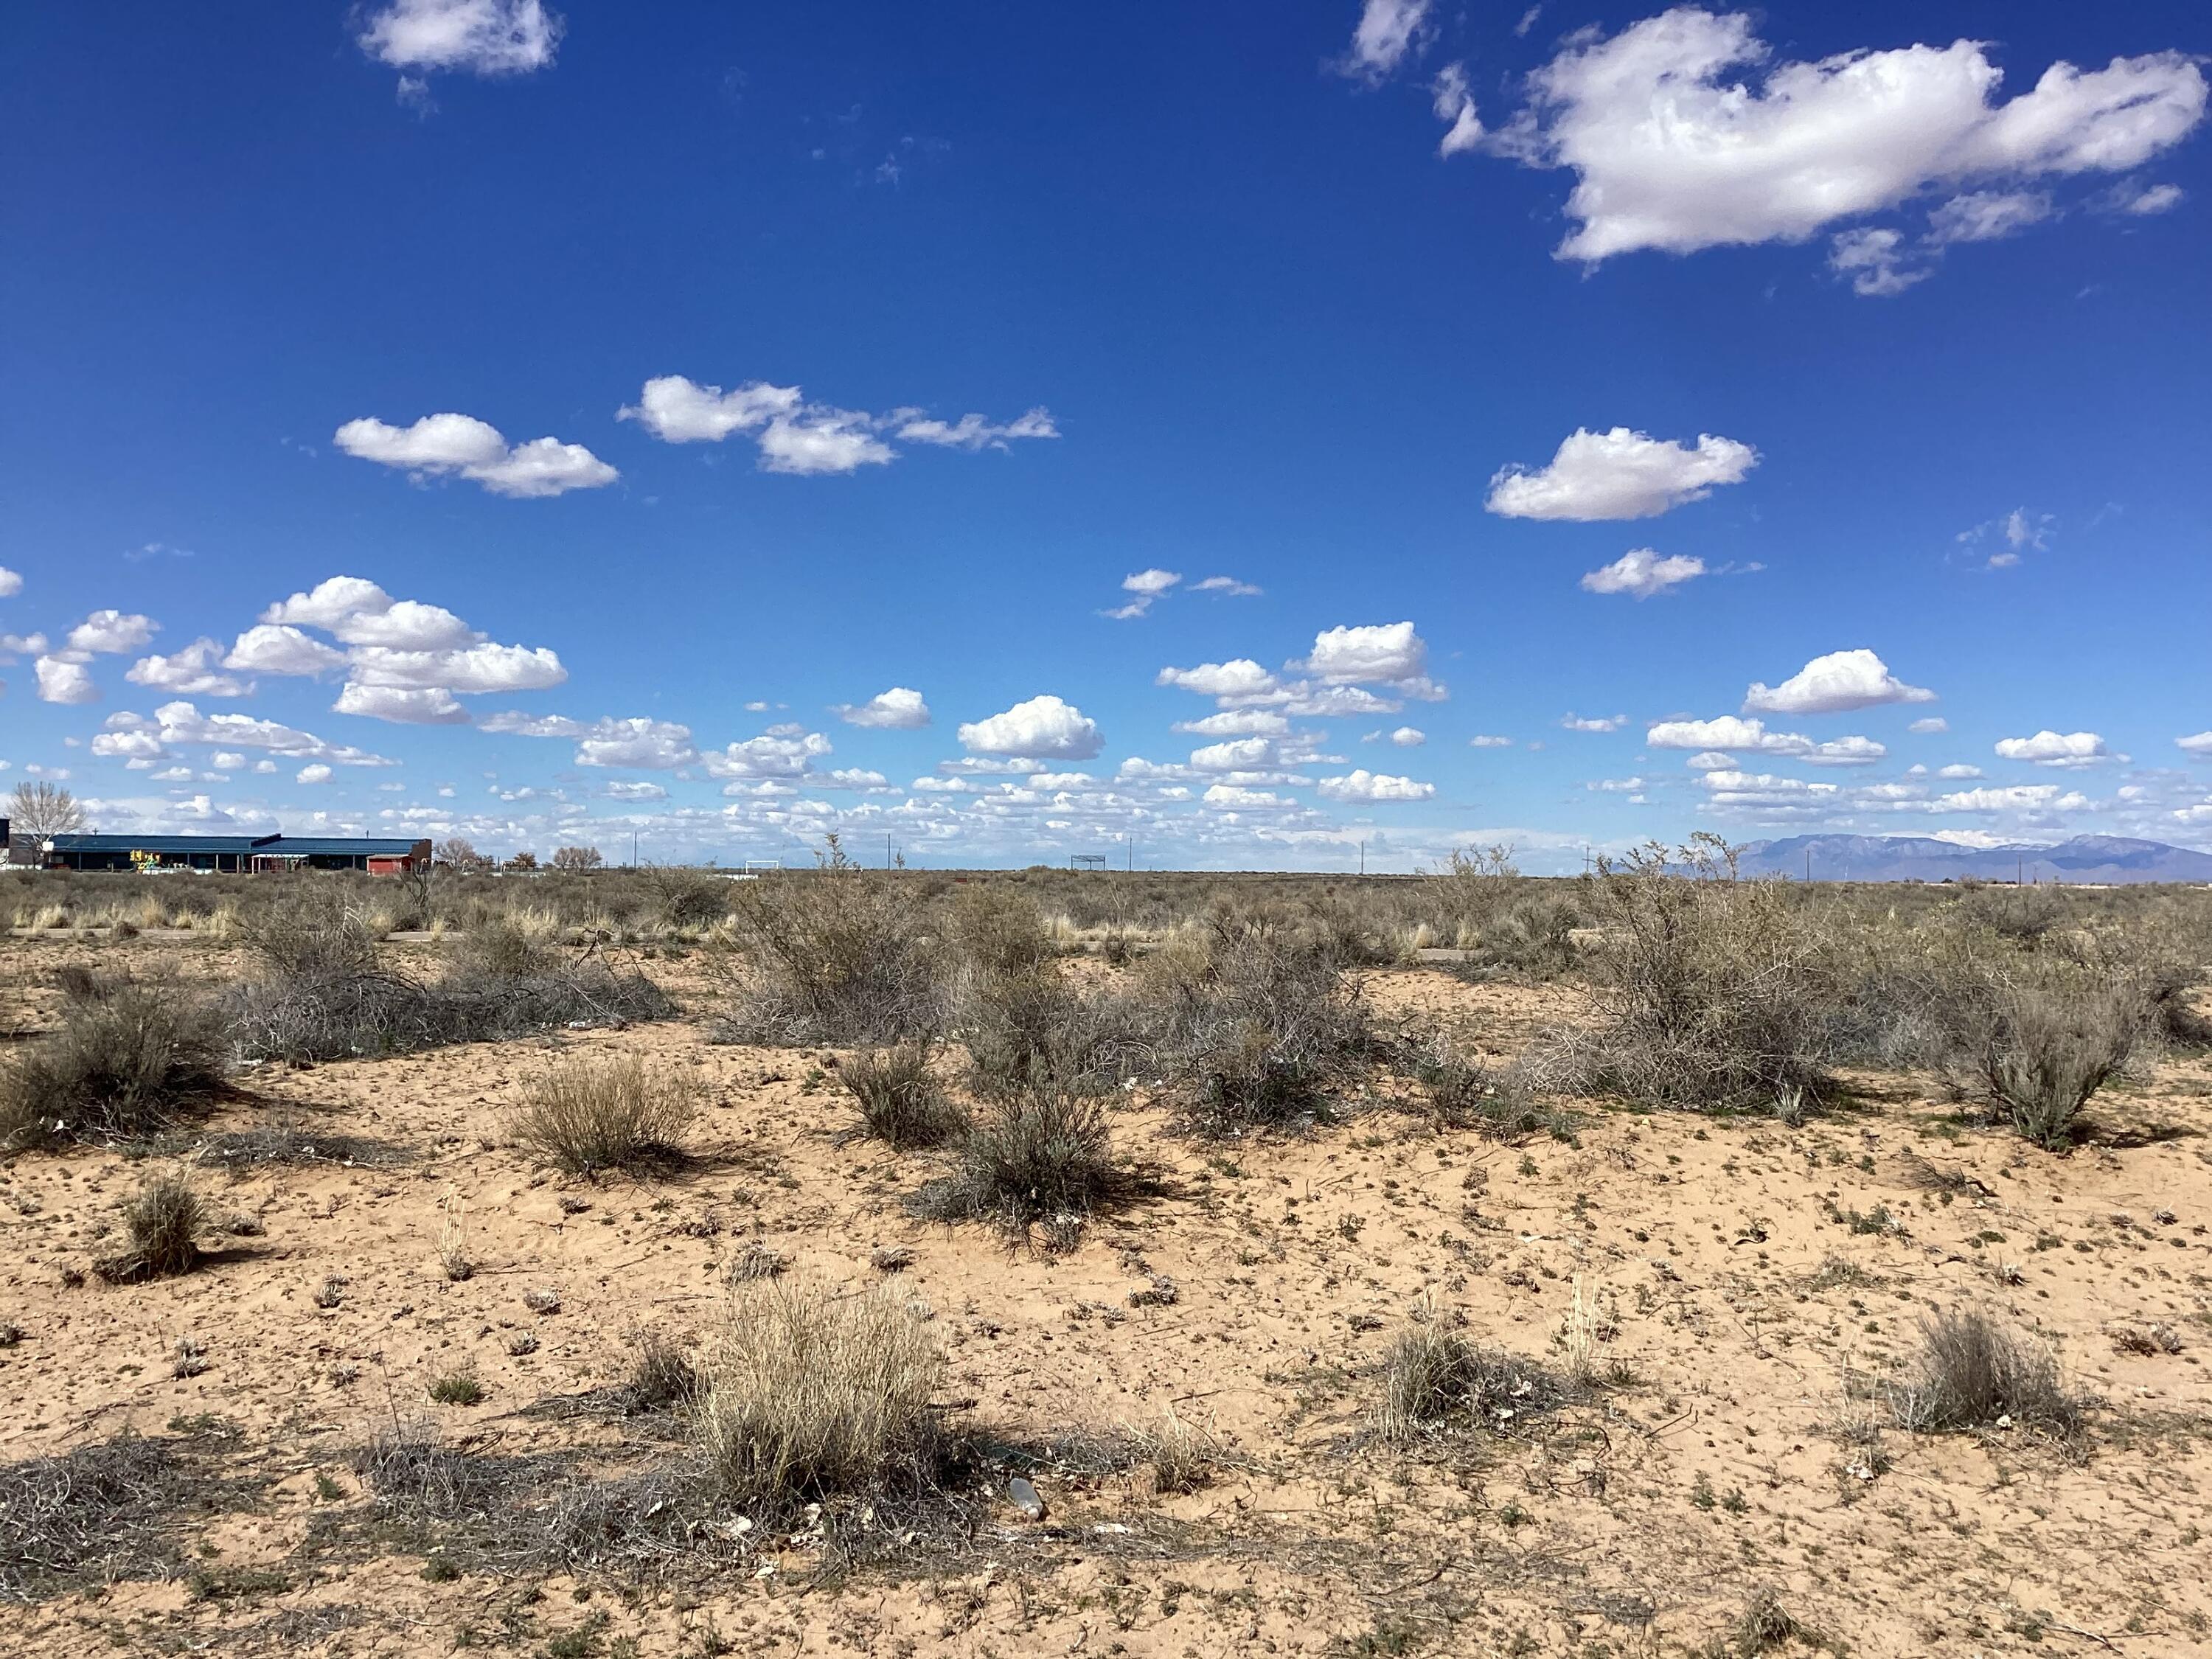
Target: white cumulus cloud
x=481 y=37
x=193 y=671
x=899 y=709
x=280 y=649
x=450 y=444
x=1620 y=474
x=427 y=705
x=1833 y=684
x=797 y=436
x=1361 y=784
x=2199 y=744
x=2048 y=748
x=1042 y=728
x=61 y=680
x=1642 y=572
x=1684 y=133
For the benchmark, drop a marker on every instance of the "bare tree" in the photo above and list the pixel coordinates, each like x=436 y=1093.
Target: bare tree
x=458 y=852
x=577 y=858
x=525 y=862
x=40 y=810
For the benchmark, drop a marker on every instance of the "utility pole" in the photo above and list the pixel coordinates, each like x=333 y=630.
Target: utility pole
x=887 y=850
x=633 y=849
x=1363 y=857
x=1808 y=863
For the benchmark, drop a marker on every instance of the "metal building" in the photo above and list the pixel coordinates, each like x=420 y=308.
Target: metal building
x=233 y=854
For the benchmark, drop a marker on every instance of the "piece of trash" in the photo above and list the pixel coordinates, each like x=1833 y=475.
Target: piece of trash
x=1025 y=1499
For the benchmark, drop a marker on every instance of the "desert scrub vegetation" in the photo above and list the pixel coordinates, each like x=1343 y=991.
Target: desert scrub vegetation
x=1708 y=989
x=1973 y=1373
x=1458 y=1092
x=1252 y=1020
x=324 y=990
x=162 y=1222
x=1509 y=925
x=98 y=1514
x=131 y=1058
x=1026 y=1025
x=900 y=1100
x=834 y=954
x=1043 y=1159
x=1433 y=1382
x=615 y=1112
x=812 y=1396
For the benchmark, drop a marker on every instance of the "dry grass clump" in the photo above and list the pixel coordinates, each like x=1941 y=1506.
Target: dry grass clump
x=415 y=1473
x=324 y=991
x=901 y=1102
x=164 y=1221
x=1973 y=1373
x=1253 y=1021
x=1711 y=990
x=131 y=1058
x=812 y=1396
x=611 y=1113
x=1045 y=1159
x=1436 y=1382
x=1507 y=924
x=834 y=954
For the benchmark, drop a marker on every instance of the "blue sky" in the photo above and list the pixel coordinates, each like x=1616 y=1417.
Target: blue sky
x=1872 y=375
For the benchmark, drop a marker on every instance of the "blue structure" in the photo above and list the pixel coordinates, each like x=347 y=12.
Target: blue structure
x=233 y=854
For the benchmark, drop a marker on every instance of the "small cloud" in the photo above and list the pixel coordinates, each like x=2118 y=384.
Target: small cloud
x=1228 y=587
x=1642 y=572
x=1600 y=723
x=1486 y=741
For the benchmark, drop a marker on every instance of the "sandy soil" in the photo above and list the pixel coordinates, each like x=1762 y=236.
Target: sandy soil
x=1734 y=1292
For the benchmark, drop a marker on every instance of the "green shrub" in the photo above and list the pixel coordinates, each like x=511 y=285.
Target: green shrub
x=1043 y=1159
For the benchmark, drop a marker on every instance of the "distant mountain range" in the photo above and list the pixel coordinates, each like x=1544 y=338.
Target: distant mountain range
x=2111 y=859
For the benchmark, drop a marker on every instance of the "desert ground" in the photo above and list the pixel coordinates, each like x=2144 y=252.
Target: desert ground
x=1733 y=1290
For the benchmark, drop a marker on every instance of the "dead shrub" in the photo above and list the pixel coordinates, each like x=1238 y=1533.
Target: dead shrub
x=1973 y=1373
x=900 y=1101
x=1026 y=1026
x=611 y=1113
x=416 y=1474
x=163 y=1220
x=834 y=955
x=1436 y=1382
x=1256 y=1024
x=810 y=1395
x=495 y=947
x=1711 y=990
x=90 y=1516
x=1045 y=1159
x=130 y=1059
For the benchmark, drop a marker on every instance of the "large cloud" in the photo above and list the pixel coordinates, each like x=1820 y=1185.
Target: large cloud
x=1675 y=148
x=1834 y=685
x=450 y=444
x=1620 y=474
x=1042 y=728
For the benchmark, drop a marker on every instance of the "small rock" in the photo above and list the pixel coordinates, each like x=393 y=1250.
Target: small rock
x=543 y=1300
x=1024 y=1497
